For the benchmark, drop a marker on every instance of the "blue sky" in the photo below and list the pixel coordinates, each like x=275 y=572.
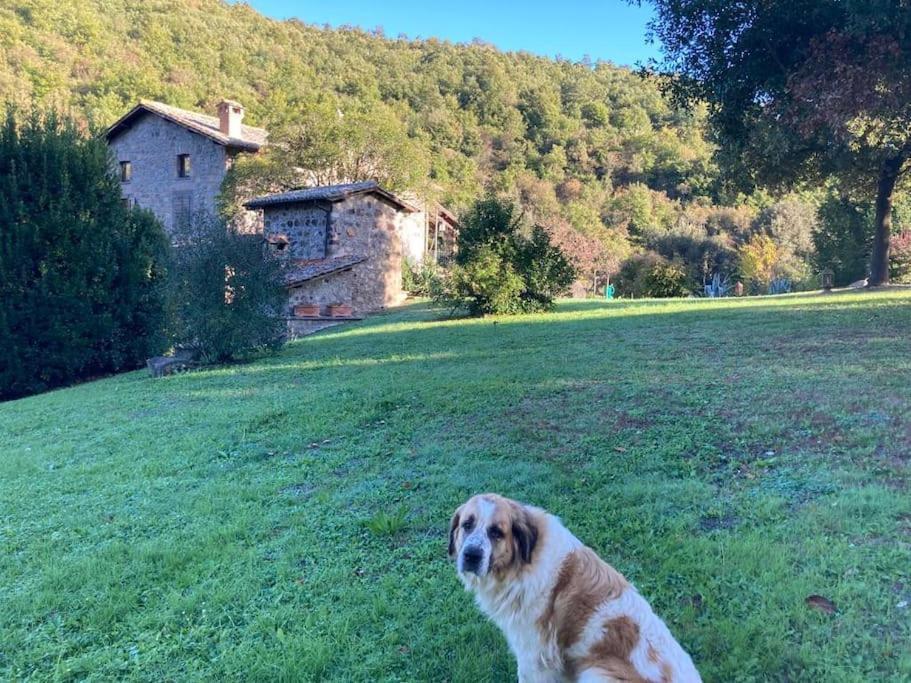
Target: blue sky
x=602 y=29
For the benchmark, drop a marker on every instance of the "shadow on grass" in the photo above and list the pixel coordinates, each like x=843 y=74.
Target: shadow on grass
x=820 y=329
x=420 y=327
x=583 y=313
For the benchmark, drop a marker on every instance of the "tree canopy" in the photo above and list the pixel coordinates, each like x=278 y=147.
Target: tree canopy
x=800 y=90
x=452 y=121
x=605 y=161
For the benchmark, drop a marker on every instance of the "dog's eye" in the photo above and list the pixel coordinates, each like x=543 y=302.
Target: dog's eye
x=468 y=524
x=495 y=533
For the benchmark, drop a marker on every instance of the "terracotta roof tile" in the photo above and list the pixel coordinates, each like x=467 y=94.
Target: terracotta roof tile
x=327 y=193
x=252 y=138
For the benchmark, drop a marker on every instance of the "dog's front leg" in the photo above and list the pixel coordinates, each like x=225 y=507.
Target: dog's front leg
x=531 y=671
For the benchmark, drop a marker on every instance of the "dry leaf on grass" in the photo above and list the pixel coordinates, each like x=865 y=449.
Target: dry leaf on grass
x=821 y=603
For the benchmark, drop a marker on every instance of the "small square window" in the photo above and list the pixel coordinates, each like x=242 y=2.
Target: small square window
x=183 y=165
x=126 y=171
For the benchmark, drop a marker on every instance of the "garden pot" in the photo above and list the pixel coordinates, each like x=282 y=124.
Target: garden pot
x=306 y=310
x=340 y=310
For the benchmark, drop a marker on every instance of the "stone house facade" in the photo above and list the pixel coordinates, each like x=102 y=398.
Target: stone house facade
x=173 y=161
x=344 y=247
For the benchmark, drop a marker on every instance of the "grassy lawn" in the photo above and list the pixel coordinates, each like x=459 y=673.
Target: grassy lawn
x=286 y=519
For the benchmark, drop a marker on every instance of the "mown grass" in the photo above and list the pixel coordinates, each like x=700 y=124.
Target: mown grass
x=286 y=519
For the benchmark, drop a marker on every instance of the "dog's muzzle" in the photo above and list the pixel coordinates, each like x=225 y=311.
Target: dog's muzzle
x=472 y=560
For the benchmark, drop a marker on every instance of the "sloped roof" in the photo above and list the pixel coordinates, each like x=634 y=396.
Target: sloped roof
x=328 y=193
x=252 y=138
x=447 y=215
x=300 y=272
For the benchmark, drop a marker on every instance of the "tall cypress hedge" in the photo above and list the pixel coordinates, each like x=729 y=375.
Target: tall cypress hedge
x=82 y=288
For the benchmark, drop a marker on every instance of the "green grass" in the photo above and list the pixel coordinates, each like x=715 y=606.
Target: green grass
x=286 y=519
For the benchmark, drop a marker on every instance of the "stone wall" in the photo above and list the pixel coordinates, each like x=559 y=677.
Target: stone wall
x=151 y=145
x=362 y=225
x=301 y=327
x=412 y=229
x=303 y=224
x=338 y=288
x=369 y=226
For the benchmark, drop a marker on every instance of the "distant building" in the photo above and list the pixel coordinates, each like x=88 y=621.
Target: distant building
x=344 y=247
x=173 y=161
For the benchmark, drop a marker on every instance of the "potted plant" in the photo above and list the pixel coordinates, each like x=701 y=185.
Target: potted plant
x=340 y=310
x=306 y=310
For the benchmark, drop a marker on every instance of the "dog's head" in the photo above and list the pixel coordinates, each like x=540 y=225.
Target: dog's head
x=490 y=536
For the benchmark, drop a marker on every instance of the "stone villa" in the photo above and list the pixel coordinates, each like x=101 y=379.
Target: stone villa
x=343 y=246
x=173 y=161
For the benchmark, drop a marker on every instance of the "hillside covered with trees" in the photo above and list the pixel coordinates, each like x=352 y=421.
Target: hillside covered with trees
x=625 y=182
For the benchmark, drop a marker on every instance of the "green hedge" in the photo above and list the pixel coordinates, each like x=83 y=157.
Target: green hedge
x=81 y=275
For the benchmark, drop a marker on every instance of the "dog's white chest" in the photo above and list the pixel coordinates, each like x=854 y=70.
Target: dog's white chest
x=537 y=661
x=517 y=612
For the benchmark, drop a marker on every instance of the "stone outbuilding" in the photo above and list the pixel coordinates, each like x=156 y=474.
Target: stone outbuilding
x=344 y=247
x=173 y=161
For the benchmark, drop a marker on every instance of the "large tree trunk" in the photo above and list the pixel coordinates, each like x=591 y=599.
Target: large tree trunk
x=879 y=261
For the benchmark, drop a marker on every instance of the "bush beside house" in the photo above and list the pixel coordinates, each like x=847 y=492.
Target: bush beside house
x=226 y=291
x=81 y=275
x=501 y=268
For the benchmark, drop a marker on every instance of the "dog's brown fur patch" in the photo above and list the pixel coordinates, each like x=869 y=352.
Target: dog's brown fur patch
x=619 y=639
x=583 y=584
x=612 y=653
x=453 y=529
x=619 y=671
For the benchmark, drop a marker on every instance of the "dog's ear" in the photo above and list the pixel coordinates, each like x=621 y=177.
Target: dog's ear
x=453 y=525
x=525 y=534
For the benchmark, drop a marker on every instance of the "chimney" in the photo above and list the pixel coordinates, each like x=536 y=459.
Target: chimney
x=229 y=115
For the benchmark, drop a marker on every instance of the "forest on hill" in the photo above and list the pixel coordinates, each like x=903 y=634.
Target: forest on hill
x=625 y=182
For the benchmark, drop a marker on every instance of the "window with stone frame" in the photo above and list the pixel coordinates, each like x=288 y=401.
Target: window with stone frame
x=126 y=171
x=182 y=207
x=183 y=166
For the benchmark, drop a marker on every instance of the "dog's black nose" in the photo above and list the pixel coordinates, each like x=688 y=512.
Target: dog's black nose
x=472 y=557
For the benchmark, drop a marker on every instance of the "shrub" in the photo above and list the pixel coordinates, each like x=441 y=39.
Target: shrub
x=791 y=224
x=489 y=283
x=843 y=239
x=668 y=279
x=499 y=269
x=631 y=280
x=81 y=275
x=651 y=275
x=422 y=279
x=758 y=260
x=900 y=259
x=226 y=291
x=703 y=256
x=545 y=270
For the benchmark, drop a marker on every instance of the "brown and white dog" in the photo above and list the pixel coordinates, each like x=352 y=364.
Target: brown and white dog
x=567 y=614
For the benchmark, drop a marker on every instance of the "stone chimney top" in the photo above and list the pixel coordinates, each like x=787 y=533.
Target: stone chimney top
x=229 y=115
